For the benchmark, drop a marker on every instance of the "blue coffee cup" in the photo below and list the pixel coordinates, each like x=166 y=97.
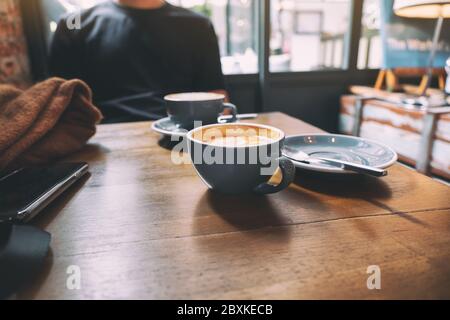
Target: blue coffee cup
x=186 y=108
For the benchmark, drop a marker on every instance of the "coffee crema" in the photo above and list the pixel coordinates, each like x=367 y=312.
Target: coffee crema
x=194 y=96
x=239 y=141
x=236 y=136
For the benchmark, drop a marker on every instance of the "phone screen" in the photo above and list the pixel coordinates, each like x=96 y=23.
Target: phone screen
x=23 y=187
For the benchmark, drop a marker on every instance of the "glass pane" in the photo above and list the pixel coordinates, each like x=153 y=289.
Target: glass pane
x=309 y=35
x=235 y=25
x=370 y=55
x=234 y=22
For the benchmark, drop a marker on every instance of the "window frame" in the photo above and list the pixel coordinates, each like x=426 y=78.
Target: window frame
x=350 y=73
x=351 y=49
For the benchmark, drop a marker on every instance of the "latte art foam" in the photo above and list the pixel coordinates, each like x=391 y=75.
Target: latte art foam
x=236 y=135
x=239 y=141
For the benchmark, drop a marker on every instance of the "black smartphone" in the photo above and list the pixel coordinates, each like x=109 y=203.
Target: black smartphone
x=25 y=192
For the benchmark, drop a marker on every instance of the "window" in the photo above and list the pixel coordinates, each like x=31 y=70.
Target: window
x=236 y=27
x=309 y=35
x=234 y=21
x=370 y=56
x=305 y=35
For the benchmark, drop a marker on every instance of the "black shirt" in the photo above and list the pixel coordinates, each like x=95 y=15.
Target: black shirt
x=132 y=57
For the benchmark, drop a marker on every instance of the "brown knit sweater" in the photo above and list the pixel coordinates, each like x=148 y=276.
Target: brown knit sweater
x=45 y=122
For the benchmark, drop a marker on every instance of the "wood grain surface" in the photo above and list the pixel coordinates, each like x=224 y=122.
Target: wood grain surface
x=141 y=227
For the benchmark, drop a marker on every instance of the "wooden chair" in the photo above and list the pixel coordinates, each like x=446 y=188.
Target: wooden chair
x=391 y=78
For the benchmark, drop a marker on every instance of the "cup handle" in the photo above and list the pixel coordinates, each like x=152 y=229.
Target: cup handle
x=233 y=110
x=288 y=172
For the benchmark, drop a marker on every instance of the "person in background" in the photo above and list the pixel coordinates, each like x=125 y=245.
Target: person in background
x=134 y=52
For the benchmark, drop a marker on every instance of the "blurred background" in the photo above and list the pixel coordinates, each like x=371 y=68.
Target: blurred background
x=321 y=26
x=294 y=56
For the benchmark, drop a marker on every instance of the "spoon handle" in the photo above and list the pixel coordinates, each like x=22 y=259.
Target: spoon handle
x=241 y=116
x=360 y=168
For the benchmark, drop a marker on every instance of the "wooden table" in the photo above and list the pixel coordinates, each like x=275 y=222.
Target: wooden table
x=142 y=227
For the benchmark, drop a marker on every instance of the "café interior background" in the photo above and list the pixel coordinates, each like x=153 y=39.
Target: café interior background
x=317 y=49
x=299 y=57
